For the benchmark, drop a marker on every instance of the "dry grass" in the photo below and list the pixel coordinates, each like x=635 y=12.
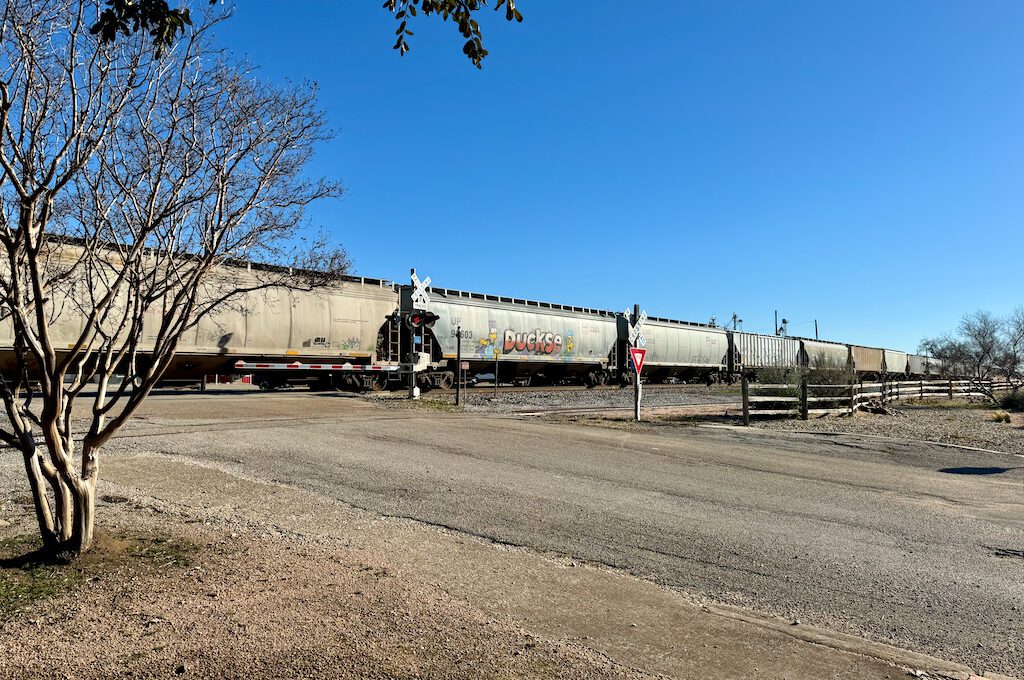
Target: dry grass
x=30 y=575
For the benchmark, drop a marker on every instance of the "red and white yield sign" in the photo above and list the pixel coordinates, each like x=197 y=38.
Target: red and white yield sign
x=637 y=354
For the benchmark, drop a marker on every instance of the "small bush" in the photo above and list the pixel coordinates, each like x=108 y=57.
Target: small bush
x=1013 y=401
x=1000 y=417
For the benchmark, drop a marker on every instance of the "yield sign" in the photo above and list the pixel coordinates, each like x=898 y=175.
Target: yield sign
x=637 y=355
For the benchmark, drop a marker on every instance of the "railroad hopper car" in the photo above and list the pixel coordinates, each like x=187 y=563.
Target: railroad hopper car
x=338 y=324
x=824 y=354
x=526 y=341
x=917 y=366
x=677 y=350
x=896 y=364
x=753 y=353
x=869 y=362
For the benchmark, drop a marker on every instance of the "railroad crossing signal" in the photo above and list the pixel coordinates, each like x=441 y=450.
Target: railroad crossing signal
x=420 y=298
x=637 y=355
x=636 y=335
x=421 y=319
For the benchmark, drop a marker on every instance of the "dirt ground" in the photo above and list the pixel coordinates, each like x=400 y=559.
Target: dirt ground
x=958 y=423
x=248 y=603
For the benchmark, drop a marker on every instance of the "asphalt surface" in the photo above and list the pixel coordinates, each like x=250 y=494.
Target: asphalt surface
x=911 y=544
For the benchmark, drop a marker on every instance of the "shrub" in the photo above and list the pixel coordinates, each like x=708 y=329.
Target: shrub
x=1013 y=401
x=1000 y=417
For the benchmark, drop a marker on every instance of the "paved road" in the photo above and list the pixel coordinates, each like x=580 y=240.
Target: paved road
x=915 y=545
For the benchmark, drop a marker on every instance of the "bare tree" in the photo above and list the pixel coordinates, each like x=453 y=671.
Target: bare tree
x=981 y=332
x=131 y=182
x=1011 y=360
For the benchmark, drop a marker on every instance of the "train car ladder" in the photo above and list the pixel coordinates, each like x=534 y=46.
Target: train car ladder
x=394 y=338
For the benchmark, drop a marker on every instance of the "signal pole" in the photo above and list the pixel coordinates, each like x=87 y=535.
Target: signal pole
x=412 y=343
x=458 y=365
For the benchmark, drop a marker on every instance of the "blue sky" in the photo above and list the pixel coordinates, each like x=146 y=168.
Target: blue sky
x=859 y=164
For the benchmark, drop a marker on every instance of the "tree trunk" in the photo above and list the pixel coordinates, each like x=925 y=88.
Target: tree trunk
x=44 y=515
x=84 y=517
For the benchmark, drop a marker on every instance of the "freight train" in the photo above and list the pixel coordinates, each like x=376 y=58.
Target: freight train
x=355 y=335
x=532 y=343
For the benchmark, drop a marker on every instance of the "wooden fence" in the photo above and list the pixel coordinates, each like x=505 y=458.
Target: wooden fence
x=806 y=399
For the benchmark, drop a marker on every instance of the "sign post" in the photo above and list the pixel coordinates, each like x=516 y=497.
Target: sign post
x=458 y=366
x=636 y=356
x=420 y=299
x=637 y=340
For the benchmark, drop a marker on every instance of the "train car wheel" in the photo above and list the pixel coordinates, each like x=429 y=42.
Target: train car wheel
x=446 y=381
x=378 y=383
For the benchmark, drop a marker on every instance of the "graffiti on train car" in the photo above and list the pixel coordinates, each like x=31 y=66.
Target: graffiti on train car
x=535 y=341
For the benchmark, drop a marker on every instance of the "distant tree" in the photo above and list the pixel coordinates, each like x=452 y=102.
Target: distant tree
x=981 y=333
x=1011 y=356
x=164 y=23
x=983 y=346
x=129 y=183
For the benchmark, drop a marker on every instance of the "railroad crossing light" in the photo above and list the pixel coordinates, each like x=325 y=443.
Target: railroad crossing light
x=421 y=319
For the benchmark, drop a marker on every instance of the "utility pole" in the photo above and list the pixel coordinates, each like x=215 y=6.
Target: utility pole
x=776 y=322
x=815 y=329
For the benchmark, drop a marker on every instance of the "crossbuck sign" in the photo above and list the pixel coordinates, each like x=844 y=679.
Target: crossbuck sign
x=636 y=335
x=420 y=299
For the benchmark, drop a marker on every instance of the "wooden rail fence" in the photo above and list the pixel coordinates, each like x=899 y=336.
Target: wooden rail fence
x=806 y=399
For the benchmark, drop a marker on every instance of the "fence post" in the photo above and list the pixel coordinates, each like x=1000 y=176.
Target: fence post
x=951 y=390
x=922 y=389
x=803 y=398
x=897 y=390
x=853 y=403
x=883 y=390
x=745 y=386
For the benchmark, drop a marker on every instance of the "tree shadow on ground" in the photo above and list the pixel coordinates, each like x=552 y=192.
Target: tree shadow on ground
x=967 y=470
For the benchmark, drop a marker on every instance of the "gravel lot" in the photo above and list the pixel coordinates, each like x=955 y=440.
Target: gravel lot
x=259 y=603
x=484 y=400
x=964 y=425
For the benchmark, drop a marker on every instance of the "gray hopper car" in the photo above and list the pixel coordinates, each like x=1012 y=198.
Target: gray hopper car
x=681 y=351
x=527 y=341
x=752 y=352
x=339 y=324
x=896 y=363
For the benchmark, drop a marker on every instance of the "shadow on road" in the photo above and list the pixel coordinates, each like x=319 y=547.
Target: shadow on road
x=976 y=470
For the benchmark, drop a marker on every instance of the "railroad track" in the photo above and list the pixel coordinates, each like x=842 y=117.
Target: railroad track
x=694 y=409
x=512 y=389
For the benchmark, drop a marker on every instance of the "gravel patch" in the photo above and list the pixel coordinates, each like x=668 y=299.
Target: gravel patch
x=259 y=604
x=485 y=401
x=963 y=425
